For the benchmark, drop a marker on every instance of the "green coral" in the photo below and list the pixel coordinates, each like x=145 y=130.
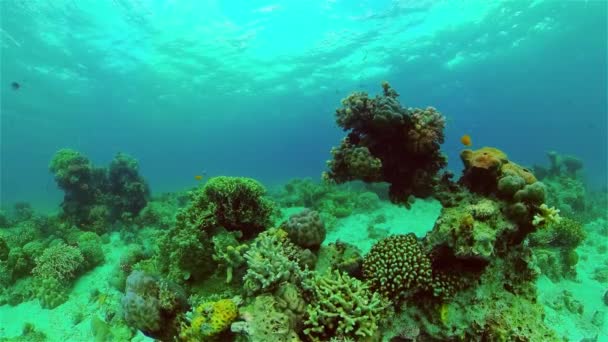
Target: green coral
x=396 y=266
x=238 y=203
x=263 y=320
x=55 y=270
x=546 y=215
x=271 y=260
x=229 y=253
x=343 y=307
x=89 y=244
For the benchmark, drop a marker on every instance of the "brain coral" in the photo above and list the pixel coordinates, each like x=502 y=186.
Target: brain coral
x=305 y=229
x=396 y=266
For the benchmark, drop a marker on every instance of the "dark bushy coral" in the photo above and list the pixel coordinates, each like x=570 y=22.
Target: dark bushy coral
x=127 y=187
x=387 y=142
x=81 y=182
x=96 y=197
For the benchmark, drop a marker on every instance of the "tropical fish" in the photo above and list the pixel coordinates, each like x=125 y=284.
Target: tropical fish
x=198 y=177
x=466 y=140
x=15 y=85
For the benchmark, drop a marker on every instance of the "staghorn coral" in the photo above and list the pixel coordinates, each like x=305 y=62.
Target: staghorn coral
x=387 y=142
x=305 y=229
x=342 y=307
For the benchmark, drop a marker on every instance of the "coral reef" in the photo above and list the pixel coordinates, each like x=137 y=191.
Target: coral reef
x=305 y=229
x=271 y=260
x=387 y=142
x=263 y=320
x=397 y=267
x=229 y=253
x=343 y=307
x=128 y=190
x=94 y=197
x=209 y=319
x=238 y=204
x=151 y=305
x=55 y=269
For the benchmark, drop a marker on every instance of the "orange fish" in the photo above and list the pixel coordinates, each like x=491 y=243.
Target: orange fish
x=466 y=140
x=198 y=177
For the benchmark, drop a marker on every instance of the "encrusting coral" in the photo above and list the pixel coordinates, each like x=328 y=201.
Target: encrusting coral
x=209 y=319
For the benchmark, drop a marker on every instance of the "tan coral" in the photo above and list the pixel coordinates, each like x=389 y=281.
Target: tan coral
x=488 y=158
x=514 y=169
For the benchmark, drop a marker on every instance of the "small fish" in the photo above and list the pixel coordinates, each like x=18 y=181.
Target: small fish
x=15 y=85
x=198 y=177
x=466 y=140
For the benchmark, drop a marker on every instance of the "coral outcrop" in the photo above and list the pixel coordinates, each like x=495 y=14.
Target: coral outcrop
x=343 y=308
x=390 y=143
x=305 y=229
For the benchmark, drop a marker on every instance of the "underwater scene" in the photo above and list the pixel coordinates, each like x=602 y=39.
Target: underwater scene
x=320 y=170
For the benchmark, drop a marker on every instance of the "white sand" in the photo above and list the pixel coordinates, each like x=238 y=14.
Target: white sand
x=57 y=323
x=419 y=219
x=584 y=289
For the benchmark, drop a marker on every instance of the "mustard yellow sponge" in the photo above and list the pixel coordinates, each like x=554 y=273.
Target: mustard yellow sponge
x=209 y=319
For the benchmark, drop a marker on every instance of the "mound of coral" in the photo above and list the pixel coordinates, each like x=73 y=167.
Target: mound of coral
x=387 y=142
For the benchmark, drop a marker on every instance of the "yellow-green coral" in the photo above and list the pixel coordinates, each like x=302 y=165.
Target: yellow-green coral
x=209 y=319
x=546 y=215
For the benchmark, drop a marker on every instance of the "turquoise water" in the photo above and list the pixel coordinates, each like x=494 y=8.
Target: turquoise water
x=250 y=89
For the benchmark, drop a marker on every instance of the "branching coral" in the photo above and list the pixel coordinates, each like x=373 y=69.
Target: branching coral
x=55 y=269
x=343 y=307
x=271 y=260
x=546 y=215
x=229 y=253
